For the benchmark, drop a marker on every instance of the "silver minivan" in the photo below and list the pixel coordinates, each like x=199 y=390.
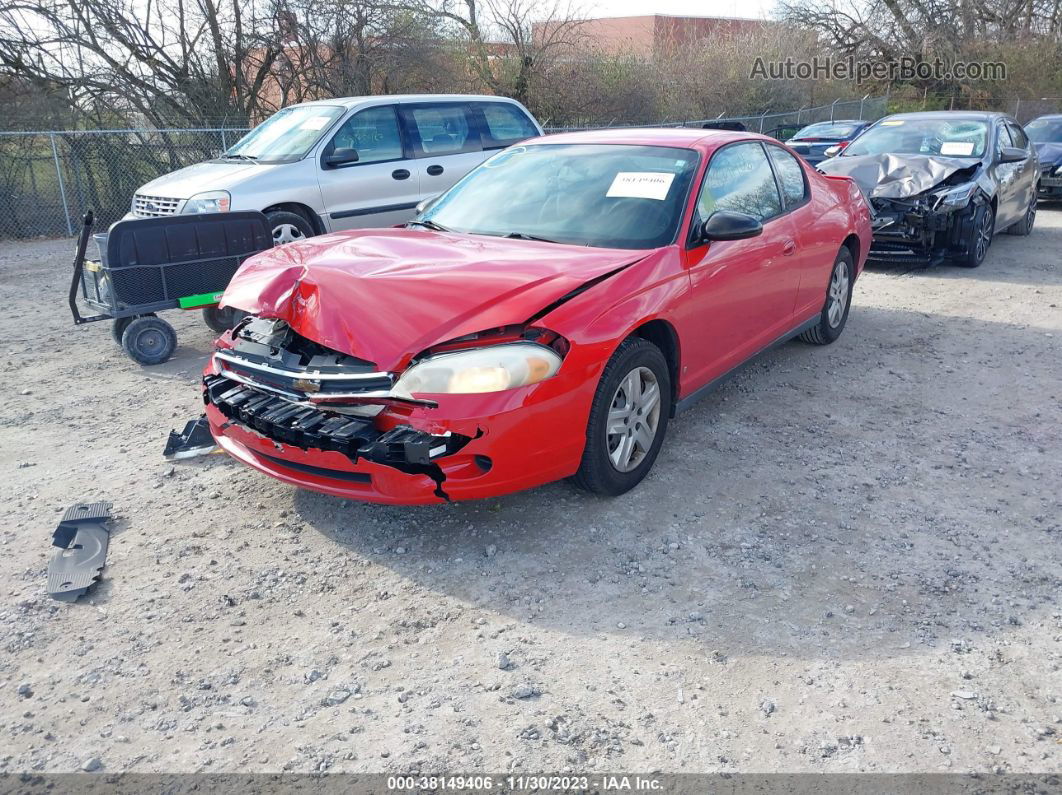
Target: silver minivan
x=344 y=163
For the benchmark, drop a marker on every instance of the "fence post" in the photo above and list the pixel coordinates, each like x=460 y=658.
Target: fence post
x=833 y=107
x=762 y=118
x=1017 y=108
x=864 y=99
x=62 y=188
x=224 y=146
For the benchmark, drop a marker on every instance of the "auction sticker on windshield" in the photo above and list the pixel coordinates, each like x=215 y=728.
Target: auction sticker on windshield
x=957 y=148
x=640 y=185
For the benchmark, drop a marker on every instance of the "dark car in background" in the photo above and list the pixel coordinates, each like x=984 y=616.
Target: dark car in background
x=941 y=183
x=824 y=139
x=1046 y=135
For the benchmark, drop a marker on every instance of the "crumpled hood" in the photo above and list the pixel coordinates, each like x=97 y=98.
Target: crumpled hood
x=385 y=295
x=895 y=176
x=1049 y=153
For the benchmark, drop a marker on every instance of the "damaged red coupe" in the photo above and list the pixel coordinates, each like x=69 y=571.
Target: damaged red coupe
x=542 y=319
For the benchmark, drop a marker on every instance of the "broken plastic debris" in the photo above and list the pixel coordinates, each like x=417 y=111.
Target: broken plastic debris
x=194 y=440
x=83 y=537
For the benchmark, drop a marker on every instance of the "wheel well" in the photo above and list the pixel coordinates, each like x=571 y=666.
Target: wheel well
x=662 y=335
x=299 y=209
x=852 y=243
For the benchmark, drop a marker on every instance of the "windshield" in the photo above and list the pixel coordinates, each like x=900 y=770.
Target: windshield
x=1045 y=131
x=945 y=137
x=828 y=129
x=286 y=135
x=612 y=196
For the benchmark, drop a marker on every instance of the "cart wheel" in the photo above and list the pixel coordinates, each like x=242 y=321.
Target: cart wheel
x=221 y=320
x=149 y=340
x=119 y=326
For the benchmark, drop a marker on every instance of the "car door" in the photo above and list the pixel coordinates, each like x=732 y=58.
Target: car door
x=445 y=142
x=742 y=291
x=382 y=186
x=1025 y=191
x=1008 y=178
x=814 y=255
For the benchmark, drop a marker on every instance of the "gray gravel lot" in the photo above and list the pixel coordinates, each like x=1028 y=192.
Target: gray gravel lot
x=848 y=558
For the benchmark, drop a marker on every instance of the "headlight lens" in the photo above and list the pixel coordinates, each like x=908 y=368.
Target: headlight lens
x=958 y=196
x=215 y=201
x=492 y=369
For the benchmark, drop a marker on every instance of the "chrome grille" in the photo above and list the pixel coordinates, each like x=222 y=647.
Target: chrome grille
x=154 y=206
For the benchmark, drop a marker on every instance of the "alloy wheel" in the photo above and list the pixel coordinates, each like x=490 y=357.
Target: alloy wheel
x=838 y=294
x=287 y=233
x=633 y=419
x=984 y=233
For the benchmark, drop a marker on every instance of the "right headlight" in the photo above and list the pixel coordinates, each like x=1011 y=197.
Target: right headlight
x=215 y=201
x=491 y=369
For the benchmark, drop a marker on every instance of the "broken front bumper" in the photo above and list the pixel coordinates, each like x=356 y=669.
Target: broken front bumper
x=913 y=232
x=472 y=446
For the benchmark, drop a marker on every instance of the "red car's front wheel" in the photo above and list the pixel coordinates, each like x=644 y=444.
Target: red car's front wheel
x=628 y=419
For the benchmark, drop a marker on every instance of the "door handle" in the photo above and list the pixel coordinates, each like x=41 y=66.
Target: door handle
x=400 y=173
x=789 y=248
x=434 y=171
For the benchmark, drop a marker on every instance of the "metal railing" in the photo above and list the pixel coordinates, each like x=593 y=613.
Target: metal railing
x=50 y=178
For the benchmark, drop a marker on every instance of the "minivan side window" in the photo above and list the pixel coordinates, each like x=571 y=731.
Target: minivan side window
x=373 y=132
x=790 y=175
x=740 y=179
x=504 y=124
x=443 y=129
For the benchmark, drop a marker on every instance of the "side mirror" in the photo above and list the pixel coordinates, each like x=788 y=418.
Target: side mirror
x=833 y=151
x=341 y=157
x=727 y=225
x=1012 y=154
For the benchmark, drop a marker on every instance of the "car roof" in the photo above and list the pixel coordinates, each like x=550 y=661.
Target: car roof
x=680 y=137
x=980 y=115
x=1048 y=117
x=401 y=99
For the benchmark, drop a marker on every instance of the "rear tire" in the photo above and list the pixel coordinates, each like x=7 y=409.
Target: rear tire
x=1025 y=225
x=149 y=340
x=288 y=227
x=834 y=313
x=628 y=419
x=981 y=233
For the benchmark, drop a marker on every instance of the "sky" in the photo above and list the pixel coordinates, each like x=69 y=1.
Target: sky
x=697 y=8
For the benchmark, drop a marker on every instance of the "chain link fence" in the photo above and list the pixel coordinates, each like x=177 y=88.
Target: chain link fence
x=49 y=179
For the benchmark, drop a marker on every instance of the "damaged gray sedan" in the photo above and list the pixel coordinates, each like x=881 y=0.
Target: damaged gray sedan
x=941 y=184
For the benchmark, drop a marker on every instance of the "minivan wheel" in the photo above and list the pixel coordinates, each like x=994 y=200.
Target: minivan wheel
x=288 y=227
x=628 y=419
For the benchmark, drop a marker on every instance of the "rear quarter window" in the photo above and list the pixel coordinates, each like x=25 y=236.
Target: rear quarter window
x=505 y=124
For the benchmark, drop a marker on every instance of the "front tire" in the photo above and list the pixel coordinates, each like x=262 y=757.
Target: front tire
x=981 y=233
x=628 y=419
x=288 y=227
x=834 y=313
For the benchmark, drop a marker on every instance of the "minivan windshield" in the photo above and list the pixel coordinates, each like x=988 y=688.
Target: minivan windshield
x=944 y=137
x=1045 y=131
x=605 y=195
x=286 y=135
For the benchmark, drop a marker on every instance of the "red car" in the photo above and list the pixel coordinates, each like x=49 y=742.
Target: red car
x=541 y=320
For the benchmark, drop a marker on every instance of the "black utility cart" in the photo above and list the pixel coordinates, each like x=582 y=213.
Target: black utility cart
x=147 y=265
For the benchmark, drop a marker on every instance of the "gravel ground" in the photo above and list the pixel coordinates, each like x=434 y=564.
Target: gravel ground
x=847 y=559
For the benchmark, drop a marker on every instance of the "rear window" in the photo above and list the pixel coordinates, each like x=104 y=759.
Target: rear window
x=506 y=124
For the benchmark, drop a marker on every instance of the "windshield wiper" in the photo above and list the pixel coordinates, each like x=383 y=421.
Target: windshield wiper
x=228 y=156
x=429 y=225
x=525 y=236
